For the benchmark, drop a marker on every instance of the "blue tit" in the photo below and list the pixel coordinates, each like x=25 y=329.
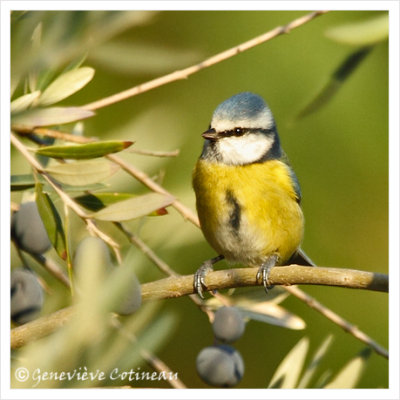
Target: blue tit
x=247 y=195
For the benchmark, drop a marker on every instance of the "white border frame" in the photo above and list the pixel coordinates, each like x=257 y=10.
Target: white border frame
x=394 y=106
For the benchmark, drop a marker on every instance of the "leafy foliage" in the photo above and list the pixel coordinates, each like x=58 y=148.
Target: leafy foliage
x=49 y=50
x=288 y=374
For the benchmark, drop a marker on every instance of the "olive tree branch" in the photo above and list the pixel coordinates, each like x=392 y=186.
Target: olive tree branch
x=185 y=73
x=178 y=286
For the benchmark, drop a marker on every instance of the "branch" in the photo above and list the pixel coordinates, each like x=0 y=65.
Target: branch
x=291 y=275
x=184 y=73
x=177 y=286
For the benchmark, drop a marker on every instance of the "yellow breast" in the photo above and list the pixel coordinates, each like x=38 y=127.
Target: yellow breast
x=248 y=212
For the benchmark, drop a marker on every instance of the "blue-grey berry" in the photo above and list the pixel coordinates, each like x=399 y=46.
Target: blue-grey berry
x=26 y=296
x=28 y=231
x=228 y=324
x=220 y=366
x=132 y=299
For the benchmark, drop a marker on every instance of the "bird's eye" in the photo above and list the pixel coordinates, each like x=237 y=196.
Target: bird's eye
x=238 y=131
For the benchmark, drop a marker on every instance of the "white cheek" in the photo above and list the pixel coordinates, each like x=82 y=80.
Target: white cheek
x=243 y=149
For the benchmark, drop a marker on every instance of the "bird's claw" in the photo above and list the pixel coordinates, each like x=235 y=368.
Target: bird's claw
x=199 y=277
x=265 y=270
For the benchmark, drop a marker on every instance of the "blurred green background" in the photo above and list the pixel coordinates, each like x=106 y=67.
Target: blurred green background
x=339 y=153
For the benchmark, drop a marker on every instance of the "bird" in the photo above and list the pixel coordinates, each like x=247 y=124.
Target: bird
x=247 y=194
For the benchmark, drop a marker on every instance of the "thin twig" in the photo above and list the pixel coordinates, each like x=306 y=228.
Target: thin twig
x=338 y=320
x=146 y=250
x=185 y=73
x=173 y=153
x=53 y=133
x=162 y=265
x=53 y=268
x=186 y=212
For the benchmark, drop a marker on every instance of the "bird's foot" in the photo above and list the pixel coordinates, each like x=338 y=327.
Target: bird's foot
x=200 y=275
x=265 y=270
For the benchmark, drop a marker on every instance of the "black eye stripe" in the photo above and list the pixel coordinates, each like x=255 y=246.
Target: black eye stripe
x=241 y=131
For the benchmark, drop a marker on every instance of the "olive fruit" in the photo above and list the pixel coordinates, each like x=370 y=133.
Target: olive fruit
x=220 y=366
x=26 y=296
x=132 y=298
x=28 y=231
x=228 y=324
x=94 y=268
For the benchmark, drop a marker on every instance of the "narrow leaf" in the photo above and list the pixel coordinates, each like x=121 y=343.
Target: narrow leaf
x=76 y=63
x=36 y=42
x=346 y=69
x=51 y=220
x=152 y=339
x=23 y=102
x=134 y=208
x=84 y=151
x=50 y=116
x=315 y=362
x=95 y=202
x=66 y=85
x=350 y=374
x=274 y=315
x=362 y=33
x=21 y=182
x=288 y=372
x=83 y=173
x=255 y=305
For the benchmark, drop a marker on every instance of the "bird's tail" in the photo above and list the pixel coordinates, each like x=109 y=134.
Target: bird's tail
x=301 y=258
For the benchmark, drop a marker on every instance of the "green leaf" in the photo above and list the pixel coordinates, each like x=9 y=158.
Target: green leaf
x=76 y=63
x=95 y=202
x=287 y=374
x=350 y=374
x=273 y=314
x=23 y=102
x=152 y=339
x=84 y=151
x=346 y=69
x=50 y=116
x=51 y=220
x=362 y=33
x=26 y=181
x=83 y=173
x=66 y=85
x=315 y=362
x=255 y=305
x=22 y=182
x=36 y=43
x=134 y=208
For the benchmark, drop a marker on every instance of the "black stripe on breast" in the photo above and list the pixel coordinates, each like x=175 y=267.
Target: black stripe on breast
x=234 y=215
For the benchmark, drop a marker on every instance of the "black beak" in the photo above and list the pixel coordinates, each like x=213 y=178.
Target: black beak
x=210 y=134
